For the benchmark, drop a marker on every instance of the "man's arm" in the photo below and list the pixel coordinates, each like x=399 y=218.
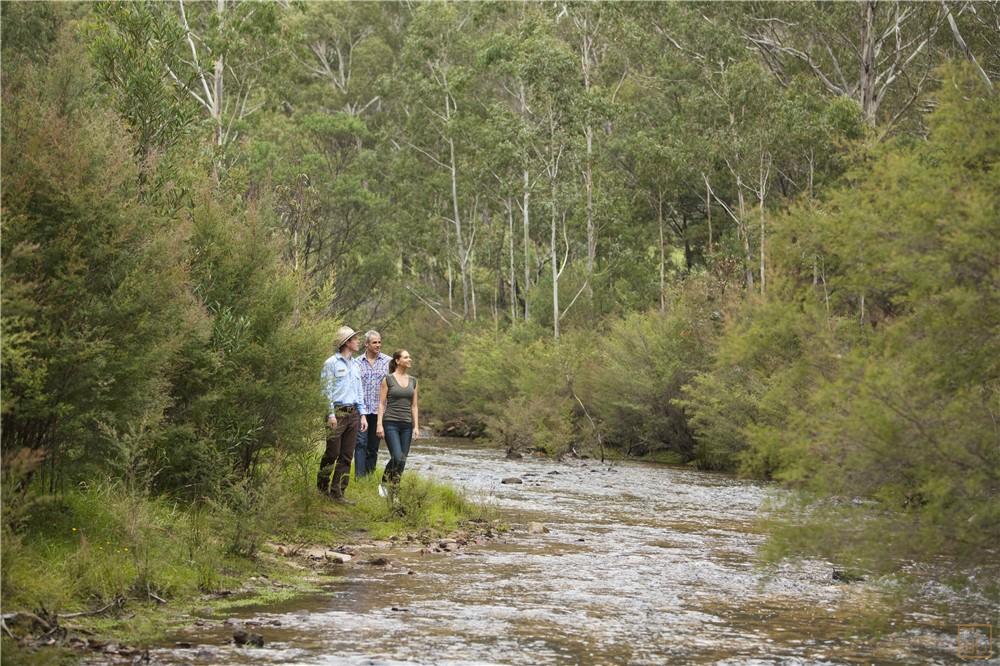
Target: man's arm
x=328 y=379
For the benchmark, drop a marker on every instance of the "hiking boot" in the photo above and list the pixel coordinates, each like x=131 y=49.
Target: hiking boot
x=340 y=499
x=382 y=492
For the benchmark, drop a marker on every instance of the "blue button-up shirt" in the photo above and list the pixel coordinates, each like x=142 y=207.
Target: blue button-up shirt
x=372 y=375
x=341 y=380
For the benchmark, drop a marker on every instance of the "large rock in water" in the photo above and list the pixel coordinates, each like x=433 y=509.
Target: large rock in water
x=243 y=637
x=512 y=479
x=537 y=528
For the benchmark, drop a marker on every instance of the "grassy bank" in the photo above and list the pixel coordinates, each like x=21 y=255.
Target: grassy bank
x=149 y=563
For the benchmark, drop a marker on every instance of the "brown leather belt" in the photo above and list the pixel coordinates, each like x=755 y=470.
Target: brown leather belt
x=346 y=409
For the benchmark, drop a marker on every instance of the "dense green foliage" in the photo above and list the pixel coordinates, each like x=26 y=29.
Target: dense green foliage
x=154 y=343
x=722 y=234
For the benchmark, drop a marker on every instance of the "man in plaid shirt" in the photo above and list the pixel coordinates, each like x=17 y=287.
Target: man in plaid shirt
x=374 y=366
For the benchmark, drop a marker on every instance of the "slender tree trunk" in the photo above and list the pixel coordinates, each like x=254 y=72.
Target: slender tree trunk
x=587 y=62
x=555 y=264
x=510 y=241
x=527 y=242
x=761 y=201
x=496 y=299
x=745 y=235
x=868 y=56
x=220 y=9
x=663 y=254
x=451 y=277
x=462 y=252
x=472 y=289
x=589 y=184
x=708 y=208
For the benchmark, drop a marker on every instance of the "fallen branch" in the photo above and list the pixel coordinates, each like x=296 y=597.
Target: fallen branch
x=117 y=602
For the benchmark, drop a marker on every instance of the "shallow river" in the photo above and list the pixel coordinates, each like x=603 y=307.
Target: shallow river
x=641 y=565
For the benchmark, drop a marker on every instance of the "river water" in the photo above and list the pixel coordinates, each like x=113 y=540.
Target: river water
x=641 y=564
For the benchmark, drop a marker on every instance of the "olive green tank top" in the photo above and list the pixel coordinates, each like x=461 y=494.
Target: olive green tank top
x=399 y=400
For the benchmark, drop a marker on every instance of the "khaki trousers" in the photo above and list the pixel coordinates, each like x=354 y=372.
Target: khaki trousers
x=335 y=467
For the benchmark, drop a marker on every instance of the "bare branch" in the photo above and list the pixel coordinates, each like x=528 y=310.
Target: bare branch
x=578 y=292
x=965 y=47
x=427 y=155
x=194 y=54
x=428 y=304
x=183 y=85
x=762 y=43
x=722 y=203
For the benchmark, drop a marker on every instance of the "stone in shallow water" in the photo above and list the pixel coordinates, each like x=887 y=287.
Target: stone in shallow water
x=337 y=558
x=512 y=479
x=537 y=528
x=241 y=637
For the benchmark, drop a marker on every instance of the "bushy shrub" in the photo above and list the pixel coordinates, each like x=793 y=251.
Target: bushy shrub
x=249 y=385
x=632 y=375
x=95 y=296
x=155 y=340
x=877 y=375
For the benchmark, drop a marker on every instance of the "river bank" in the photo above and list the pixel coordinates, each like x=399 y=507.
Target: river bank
x=117 y=607
x=621 y=562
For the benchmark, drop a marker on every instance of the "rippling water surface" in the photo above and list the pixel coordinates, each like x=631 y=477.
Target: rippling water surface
x=641 y=565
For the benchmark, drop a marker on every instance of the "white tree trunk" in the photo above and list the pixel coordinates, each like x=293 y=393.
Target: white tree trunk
x=555 y=268
x=867 y=74
x=761 y=200
x=745 y=235
x=510 y=241
x=588 y=177
x=708 y=209
x=220 y=9
x=527 y=242
x=463 y=254
x=663 y=255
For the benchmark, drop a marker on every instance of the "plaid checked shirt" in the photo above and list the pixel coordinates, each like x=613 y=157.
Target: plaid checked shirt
x=372 y=375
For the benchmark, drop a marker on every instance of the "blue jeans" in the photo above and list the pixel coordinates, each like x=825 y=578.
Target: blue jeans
x=366 y=452
x=398 y=435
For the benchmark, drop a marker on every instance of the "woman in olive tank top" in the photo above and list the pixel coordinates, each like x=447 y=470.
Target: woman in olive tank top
x=398 y=414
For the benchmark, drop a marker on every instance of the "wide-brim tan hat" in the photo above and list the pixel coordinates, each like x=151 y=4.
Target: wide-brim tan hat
x=344 y=333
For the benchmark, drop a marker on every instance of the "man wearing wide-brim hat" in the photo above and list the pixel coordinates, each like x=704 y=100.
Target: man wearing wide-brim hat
x=341 y=380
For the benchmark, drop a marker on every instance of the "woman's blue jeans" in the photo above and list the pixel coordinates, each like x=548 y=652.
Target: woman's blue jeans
x=398 y=435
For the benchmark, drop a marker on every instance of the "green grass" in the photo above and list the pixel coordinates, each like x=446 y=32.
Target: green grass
x=423 y=505
x=99 y=543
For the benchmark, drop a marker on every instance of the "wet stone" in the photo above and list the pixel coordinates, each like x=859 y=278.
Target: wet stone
x=512 y=480
x=241 y=637
x=338 y=558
